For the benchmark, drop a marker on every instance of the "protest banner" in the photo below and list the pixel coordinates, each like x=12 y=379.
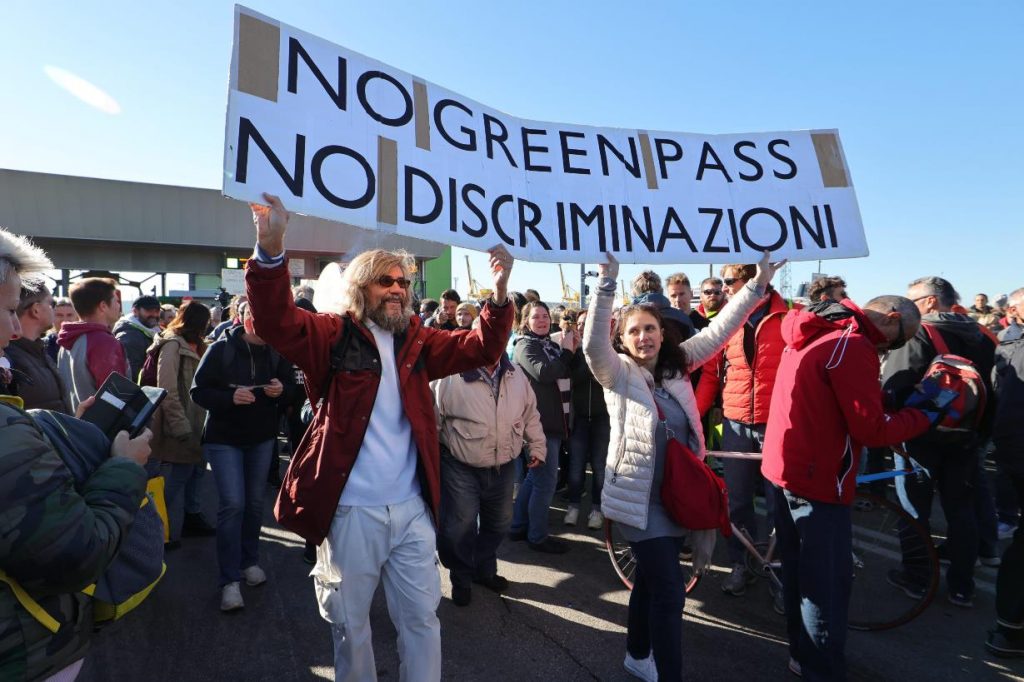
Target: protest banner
x=344 y=137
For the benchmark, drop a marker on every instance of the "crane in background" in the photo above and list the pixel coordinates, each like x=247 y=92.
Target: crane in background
x=570 y=297
x=475 y=292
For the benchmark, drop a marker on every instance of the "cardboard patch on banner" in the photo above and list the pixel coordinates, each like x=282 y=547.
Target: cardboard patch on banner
x=259 y=46
x=830 y=160
x=387 y=181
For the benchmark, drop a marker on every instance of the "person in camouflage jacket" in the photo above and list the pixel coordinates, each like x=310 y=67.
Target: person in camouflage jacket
x=55 y=539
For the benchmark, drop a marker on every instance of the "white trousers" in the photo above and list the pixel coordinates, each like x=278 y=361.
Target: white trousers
x=365 y=544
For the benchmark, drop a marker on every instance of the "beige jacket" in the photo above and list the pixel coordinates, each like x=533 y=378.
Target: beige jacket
x=178 y=423
x=482 y=432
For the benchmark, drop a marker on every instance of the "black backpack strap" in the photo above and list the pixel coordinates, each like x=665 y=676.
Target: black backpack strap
x=338 y=351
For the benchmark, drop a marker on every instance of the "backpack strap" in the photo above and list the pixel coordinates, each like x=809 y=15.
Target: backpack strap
x=30 y=604
x=936 y=338
x=338 y=351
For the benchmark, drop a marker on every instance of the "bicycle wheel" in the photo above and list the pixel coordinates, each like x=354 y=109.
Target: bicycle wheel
x=625 y=565
x=888 y=542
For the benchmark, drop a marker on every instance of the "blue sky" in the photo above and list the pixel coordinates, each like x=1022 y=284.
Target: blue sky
x=928 y=98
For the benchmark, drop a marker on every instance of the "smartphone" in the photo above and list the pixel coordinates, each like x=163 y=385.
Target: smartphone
x=945 y=397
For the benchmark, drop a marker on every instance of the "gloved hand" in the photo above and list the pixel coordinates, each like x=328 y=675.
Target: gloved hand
x=929 y=397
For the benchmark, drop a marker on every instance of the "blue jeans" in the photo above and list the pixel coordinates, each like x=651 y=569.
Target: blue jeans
x=535 y=495
x=241 y=477
x=176 y=478
x=816 y=547
x=588 y=445
x=656 y=606
x=743 y=479
x=468 y=550
x=193 y=504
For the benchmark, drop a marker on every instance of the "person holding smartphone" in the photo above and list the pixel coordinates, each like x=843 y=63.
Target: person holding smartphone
x=243 y=383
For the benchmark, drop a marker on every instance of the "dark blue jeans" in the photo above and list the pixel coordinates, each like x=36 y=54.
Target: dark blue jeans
x=535 y=494
x=815 y=542
x=588 y=445
x=1010 y=580
x=656 y=606
x=241 y=477
x=743 y=479
x=176 y=478
x=468 y=550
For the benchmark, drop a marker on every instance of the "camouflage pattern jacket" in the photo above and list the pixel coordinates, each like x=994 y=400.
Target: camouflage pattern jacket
x=54 y=541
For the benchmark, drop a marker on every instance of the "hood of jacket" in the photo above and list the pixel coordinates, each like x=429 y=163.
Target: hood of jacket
x=72 y=331
x=801 y=327
x=131 y=322
x=956 y=324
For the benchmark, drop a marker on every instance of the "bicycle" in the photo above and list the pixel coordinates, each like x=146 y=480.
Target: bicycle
x=885 y=538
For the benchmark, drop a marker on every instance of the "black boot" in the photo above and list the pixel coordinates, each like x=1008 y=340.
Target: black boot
x=196 y=526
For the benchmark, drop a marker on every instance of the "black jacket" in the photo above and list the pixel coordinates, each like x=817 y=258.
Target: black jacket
x=905 y=367
x=1008 y=424
x=587 y=393
x=544 y=374
x=215 y=383
x=35 y=377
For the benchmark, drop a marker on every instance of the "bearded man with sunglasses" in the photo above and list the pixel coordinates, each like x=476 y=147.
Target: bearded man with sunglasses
x=365 y=482
x=826 y=407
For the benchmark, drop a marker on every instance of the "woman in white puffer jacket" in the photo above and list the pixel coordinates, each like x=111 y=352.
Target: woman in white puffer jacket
x=646 y=369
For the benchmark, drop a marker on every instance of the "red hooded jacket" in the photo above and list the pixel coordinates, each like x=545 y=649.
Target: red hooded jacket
x=827 y=404
x=325 y=457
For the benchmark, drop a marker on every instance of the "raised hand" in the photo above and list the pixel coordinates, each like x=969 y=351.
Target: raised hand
x=766 y=269
x=501 y=270
x=271 y=222
x=609 y=269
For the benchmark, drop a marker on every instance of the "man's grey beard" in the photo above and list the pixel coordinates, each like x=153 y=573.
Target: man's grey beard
x=397 y=323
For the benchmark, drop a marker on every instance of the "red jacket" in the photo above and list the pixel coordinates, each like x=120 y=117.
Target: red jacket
x=827 y=404
x=325 y=457
x=748 y=385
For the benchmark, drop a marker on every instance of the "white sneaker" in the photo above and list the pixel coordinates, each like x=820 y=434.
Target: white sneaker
x=254 y=576
x=231 y=597
x=572 y=515
x=643 y=668
x=595 y=521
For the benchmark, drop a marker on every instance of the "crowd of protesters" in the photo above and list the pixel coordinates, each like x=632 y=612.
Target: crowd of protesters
x=444 y=432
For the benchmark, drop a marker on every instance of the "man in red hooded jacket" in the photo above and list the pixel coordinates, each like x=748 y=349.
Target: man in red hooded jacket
x=827 y=406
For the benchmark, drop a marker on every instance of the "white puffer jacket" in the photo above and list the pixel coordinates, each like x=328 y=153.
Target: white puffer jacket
x=628 y=393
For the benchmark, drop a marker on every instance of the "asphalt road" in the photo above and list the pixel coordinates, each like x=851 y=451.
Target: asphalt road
x=562 y=619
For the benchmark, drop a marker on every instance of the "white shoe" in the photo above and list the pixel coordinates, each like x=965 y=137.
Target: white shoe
x=231 y=597
x=595 y=521
x=254 y=576
x=643 y=668
x=572 y=515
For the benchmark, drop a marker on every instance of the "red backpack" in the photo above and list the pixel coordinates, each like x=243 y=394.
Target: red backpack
x=147 y=375
x=958 y=375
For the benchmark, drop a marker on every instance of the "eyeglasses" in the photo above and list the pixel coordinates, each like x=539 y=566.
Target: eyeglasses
x=387 y=281
x=729 y=281
x=712 y=292
x=921 y=298
x=900 y=339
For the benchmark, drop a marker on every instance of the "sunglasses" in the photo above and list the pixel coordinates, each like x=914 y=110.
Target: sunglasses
x=387 y=281
x=712 y=292
x=900 y=340
x=729 y=281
